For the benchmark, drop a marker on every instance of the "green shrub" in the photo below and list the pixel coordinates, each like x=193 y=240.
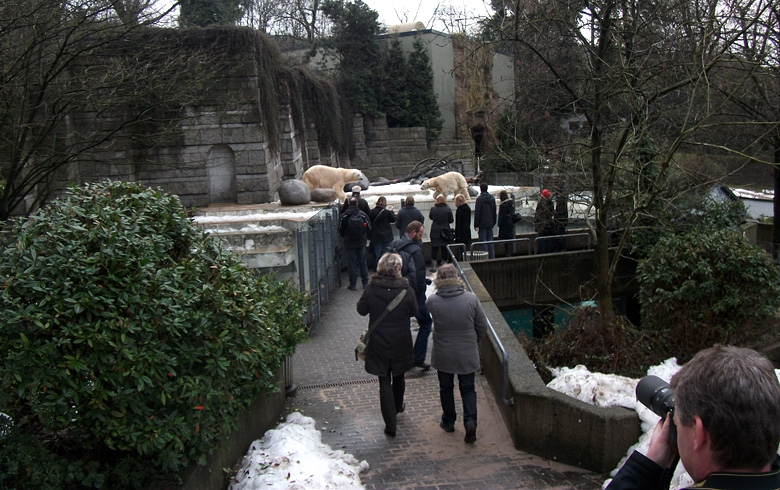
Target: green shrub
x=131 y=340
x=707 y=287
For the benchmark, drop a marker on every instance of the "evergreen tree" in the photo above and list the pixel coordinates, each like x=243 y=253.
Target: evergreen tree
x=355 y=28
x=423 y=105
x=394 y=97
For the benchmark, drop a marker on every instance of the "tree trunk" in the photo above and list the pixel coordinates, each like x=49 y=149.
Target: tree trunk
x=776 y=203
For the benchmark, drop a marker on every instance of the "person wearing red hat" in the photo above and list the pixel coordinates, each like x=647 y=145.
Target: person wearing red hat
x=544 y=223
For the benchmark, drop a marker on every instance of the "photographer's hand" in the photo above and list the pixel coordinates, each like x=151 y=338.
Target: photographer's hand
x=661 y=451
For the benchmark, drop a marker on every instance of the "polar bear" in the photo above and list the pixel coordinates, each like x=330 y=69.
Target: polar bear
x=324 y=177
x=444 y=184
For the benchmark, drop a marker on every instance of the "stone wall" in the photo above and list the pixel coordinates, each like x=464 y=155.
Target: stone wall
x=221 y=152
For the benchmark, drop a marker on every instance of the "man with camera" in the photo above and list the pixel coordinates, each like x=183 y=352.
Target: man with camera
x=725 y=415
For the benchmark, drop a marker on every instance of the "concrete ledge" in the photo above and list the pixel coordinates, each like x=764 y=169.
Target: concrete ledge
x=543 y=421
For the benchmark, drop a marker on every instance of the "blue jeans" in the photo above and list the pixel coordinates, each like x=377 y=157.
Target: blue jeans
x=356 y=260
x=378 y=248
x=468 y=396
x=486 y=235
x=425 y=321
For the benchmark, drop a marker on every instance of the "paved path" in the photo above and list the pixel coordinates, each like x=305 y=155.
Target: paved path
x=343 y=399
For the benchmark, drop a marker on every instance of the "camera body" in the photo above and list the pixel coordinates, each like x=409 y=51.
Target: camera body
x=655 y=394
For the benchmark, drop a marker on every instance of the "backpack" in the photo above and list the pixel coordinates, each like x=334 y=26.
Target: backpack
x=408 y=269
x=357 y=226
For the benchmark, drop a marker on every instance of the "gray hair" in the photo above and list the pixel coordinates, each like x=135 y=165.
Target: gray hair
x=448 y=274
x=389 y=265
x=736 y=394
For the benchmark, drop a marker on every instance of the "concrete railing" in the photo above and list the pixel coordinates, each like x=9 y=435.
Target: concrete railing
x=545 y=422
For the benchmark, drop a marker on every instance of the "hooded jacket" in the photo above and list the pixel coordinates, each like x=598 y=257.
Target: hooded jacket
x=458 y=325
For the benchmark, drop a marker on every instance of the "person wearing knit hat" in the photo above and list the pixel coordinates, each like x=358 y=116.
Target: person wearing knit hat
x=544 y=223
x=362 y=203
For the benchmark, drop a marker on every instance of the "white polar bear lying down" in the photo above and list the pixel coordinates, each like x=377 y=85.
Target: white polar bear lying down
x=323 y=177
x=451 y=182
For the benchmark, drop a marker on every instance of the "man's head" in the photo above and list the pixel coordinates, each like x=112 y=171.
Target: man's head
x=483 y=187
x=353 y=201
x=356 y=190
x=545 y=194
x=727 y=411
x=409 y=201
x=414 y=230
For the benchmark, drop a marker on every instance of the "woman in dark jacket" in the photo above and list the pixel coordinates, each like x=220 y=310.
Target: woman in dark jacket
x=389 y=350
x=441 y=216
x=381 y=233
x=462 y=222
x=506 y=225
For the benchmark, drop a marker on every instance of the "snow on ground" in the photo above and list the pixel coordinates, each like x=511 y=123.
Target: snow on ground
x=293 y=457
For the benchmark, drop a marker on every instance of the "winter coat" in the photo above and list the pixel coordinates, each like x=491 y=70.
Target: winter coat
x=381 y=218
x=506 y=224
x=406 y=215
x=561 y=214
x=415 y=270
x=348 y=241
x=641 y=473
x=463 y=224
x=390 y=347
x=458 y=325
x=544 y=223
x=485 y=211
x=441 y=217
x=362 y=205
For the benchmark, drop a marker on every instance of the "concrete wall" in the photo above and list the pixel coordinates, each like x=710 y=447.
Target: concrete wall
x=542 y=421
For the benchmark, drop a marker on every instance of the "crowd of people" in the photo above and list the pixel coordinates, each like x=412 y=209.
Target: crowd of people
x=723 y=423
x=397 y=292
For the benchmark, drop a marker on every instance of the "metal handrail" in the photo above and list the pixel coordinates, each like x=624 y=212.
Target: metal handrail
x=508 y=240
x=564 y=236
x=504 y=356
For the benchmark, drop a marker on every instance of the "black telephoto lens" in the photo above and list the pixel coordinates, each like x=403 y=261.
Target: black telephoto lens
x=655 y=394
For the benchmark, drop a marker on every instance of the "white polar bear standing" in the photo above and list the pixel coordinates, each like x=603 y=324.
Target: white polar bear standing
x=444 y=184
x=324 y=177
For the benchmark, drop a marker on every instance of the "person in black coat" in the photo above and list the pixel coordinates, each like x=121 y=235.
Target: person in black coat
x=506 y=224
x=381 y=233
x=441 y=217
x=462 y=222
x=544 y=223
x=362 y=203
x=409 y=245
x=485 y=218
x=407 y=214
x=389 y=349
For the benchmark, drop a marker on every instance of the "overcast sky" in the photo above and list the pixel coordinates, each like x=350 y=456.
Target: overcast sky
x=429 y=11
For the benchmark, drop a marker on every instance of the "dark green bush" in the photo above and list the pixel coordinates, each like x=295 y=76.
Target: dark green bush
x=131 y=340
x=707 y=287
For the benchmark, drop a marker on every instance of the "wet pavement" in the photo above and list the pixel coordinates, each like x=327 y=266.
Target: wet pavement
x=343 y=399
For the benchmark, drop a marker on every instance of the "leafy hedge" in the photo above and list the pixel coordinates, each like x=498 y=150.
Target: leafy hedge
x=130 y=340
x=704 y=287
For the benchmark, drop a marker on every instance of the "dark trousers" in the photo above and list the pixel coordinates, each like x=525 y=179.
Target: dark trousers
x=356 y=263
x=445 y=255
x=391 y=398
x=468 y=396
